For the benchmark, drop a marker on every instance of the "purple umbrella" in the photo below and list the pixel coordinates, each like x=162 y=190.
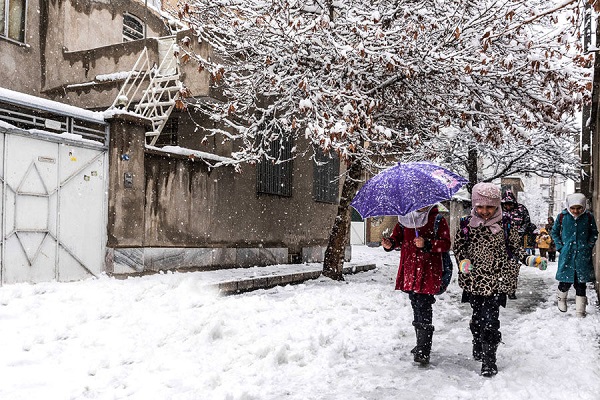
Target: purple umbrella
x=406 y=187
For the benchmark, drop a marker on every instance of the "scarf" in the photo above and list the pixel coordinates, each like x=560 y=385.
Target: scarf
x=414 y=219
x=494 y=223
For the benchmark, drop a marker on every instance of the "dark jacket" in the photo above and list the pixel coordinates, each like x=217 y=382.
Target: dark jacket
x=519 y=215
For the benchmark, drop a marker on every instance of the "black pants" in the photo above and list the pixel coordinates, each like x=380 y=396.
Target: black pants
x=580 y=287
x=422 y=310
x=551 y=255
x=486 y=316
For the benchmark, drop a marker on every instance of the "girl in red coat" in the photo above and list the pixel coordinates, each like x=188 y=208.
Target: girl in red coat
x=420 y=271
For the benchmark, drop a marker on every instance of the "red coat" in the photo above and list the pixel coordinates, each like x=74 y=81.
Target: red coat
x=420 y=270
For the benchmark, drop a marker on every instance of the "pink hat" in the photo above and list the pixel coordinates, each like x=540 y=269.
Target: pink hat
x=486 y=194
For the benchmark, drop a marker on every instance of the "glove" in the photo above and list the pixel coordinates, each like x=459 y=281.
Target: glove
x=465 y=266
x=537 y=262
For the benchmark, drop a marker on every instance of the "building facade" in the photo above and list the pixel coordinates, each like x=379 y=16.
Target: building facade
x=172 y=202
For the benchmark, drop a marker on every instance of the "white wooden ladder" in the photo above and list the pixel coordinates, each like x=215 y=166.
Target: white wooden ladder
x=156 y=87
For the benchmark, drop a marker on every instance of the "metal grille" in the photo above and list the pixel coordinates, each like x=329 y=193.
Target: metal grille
x=325 y=177
x=168 y=136
x=133 y=29
x=276 y=178
x=30 y=118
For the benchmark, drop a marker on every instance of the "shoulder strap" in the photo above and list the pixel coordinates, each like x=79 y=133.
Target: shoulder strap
x=436 y=225
x=560 y=218
x=464 y=226
x=506 y=225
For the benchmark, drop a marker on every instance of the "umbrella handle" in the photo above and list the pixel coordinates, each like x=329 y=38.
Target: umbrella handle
x=416 y=232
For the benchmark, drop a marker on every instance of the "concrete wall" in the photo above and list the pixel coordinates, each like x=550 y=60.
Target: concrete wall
x=70 y=43
x=19 y=62
x=177 y=212
x=181 y=214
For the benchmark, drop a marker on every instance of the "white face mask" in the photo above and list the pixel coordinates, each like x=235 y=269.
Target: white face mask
x=414 y=219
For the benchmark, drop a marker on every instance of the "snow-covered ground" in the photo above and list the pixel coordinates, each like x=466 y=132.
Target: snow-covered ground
x=170 y=337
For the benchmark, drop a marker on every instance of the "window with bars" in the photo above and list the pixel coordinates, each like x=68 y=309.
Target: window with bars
x=276 y=177
x=133 y=28
x=168 y=135
x=12 y=19
x=326 y=174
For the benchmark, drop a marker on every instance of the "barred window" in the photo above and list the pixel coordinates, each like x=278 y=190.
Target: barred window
x=12 y=19
x=326 y=173
x=133 y=28
x=169 y=134
x=276 y=177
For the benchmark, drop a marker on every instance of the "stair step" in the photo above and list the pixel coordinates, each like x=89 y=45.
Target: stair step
x=155 y=104
x=162 y=89
x=167 y=78
x=159 y=118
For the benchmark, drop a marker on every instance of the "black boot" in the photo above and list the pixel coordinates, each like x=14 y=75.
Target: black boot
x=489 y=367
x=424 y=338
x=413 y=351
x=477 y=345
x=491 y=339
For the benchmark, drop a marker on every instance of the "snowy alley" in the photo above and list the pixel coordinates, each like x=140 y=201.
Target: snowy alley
x=170 y=336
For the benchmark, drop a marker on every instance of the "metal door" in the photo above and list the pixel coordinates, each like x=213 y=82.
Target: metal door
x=357 y=232
x=53 y=209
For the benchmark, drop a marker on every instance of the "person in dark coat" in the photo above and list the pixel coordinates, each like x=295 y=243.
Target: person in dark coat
x=518 y=215
x=552 y=247
x=488 y=252
x=420 y=270
x=575 y=234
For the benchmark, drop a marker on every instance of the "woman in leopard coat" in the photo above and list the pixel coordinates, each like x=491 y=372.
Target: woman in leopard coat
x=489 y=252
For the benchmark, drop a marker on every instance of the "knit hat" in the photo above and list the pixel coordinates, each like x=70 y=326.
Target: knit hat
x=485 y=194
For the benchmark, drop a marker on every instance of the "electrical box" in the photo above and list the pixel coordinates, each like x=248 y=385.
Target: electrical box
x=128 y=180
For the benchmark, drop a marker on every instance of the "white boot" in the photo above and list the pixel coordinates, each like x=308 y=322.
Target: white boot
x=580 y=303
x=562 y=301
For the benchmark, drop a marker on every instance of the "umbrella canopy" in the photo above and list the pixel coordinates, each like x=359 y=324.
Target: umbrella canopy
x=406 y=187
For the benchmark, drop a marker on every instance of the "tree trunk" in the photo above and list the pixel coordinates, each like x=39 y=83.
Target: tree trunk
x=472 y=168
x=338 y=238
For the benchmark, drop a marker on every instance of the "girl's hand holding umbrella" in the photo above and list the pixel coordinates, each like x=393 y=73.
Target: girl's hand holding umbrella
x=419 y=242
x=386 y=243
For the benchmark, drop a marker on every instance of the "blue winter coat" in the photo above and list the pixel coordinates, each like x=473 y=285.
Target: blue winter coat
x=575 y=242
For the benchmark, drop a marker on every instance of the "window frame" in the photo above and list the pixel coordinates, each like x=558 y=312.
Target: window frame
x=130 y=34
x=6 y=18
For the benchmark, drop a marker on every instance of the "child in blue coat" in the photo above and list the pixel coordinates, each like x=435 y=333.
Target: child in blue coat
x=575 y=233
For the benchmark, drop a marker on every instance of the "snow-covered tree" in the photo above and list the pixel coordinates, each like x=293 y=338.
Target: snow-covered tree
x=380 y=80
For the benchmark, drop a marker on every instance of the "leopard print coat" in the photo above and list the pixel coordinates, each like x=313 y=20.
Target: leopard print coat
x=493 y=272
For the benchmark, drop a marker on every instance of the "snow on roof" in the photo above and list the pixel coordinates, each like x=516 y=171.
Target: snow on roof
x=22 y=99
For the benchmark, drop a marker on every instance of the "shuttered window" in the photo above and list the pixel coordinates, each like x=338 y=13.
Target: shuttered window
x=326 y=174
x=274 y=175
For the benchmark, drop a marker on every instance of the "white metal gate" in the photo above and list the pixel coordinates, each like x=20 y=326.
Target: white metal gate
x=53 y=209
x=357 y=232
